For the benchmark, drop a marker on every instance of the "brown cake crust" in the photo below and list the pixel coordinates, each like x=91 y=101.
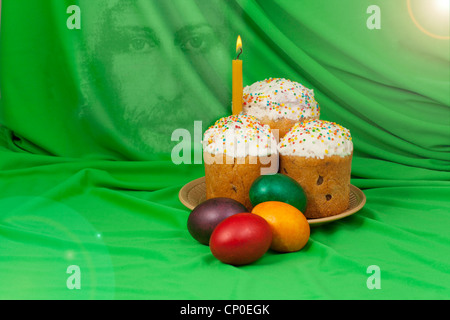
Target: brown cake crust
x=232 y=177
x=326 y=182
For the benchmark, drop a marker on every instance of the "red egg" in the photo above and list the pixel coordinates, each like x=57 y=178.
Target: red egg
x=241 y=239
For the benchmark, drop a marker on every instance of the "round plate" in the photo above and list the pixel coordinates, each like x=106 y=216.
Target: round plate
x=194 y=193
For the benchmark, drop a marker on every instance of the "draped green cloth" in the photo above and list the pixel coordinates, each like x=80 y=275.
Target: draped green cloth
x=89 y=102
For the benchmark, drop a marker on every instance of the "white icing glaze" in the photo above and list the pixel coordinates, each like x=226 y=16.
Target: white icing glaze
x=316 y=139
x=240 y=136
x=278 y=98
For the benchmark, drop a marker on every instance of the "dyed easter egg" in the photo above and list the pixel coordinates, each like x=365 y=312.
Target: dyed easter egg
x=208 y=214
x=278 y=187
x=241 y=239
x=290 y=228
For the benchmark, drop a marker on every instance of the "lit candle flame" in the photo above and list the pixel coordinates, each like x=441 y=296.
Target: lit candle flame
x=239 y=46
x=237 y=80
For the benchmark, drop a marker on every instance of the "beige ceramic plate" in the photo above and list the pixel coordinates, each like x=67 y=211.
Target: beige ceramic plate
x=194 y=193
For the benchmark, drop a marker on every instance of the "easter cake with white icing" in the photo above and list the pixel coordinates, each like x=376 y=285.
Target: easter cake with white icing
x=318 y=155
x=280 y=103
x=237 y=150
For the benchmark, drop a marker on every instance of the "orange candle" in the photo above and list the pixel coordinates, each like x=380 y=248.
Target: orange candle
x=238 y=87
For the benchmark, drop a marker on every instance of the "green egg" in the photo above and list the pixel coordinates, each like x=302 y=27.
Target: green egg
x=278 y=187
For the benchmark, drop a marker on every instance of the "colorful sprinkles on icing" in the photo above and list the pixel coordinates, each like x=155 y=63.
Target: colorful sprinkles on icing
x=278 y=98
x=317 y=138
x=239 y=136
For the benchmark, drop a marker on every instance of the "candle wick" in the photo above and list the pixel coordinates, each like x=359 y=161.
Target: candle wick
x=240 y=51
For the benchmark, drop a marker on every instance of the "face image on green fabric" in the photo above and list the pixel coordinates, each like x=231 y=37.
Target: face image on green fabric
x=151 y=67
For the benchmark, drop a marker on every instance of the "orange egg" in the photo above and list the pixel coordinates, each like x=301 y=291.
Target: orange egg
x=290 y=228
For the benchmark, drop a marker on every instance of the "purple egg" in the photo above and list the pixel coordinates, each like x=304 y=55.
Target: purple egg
x=207 y=215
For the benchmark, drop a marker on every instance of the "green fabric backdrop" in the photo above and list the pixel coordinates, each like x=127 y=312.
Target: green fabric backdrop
x=86 y=118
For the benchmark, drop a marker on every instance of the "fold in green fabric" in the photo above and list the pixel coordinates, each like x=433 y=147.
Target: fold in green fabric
x=86 y=122
x=123 y=225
